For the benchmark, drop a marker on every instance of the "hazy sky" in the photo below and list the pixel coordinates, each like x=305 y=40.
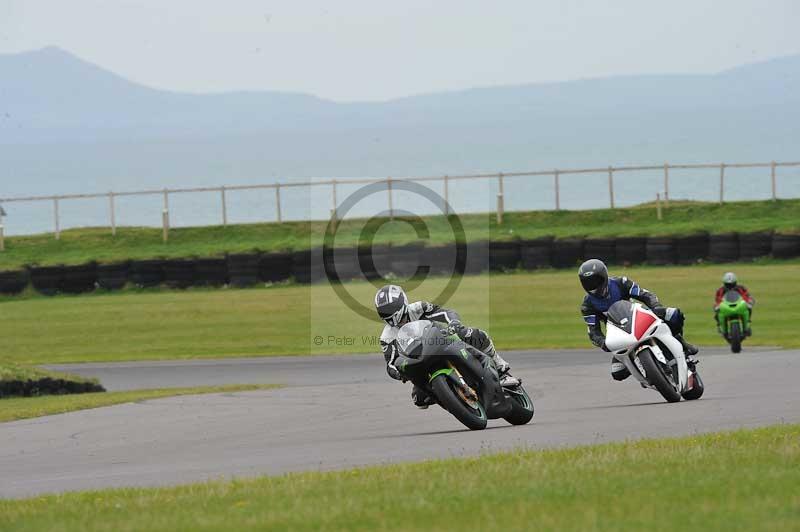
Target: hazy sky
x=369 y=50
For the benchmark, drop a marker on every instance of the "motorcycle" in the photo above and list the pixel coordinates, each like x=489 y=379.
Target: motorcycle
x=463 y=380
x=734 y=319
x=647 y=348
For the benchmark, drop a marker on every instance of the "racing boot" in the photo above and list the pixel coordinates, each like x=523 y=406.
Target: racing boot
x=421 y=398
x=688 y=349
x=503 y=368
x=618 y=370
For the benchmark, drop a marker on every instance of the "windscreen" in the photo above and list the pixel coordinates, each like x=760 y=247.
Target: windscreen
x=410 y=335
x=620 y=314
x=732 y=296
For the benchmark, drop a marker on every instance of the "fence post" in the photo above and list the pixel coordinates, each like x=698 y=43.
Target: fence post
x=658 y=205
x=772 y=172
x=389 y=188
x=2 y=235
x=500 y=199
x=558 y=199
x=166 y=199
x=446 y=196
x=666 y=184
x=721 y=182
x=165 y=225
x=278 y=201
x=611 y=185
x=56 y=219
x=224 y=205
x=334 y=216
x=112 y=214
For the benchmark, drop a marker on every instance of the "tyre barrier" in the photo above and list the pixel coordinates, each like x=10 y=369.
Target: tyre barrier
x=275 y=267
x=46 y=386
x=307 y=266
x=504 y=256
x=342 y=264
x=243 y=269
x=14 y=282
x=723 y=247
x=477 y=257
x=568 y=252
x=406 y=260
x=178 y=273
x=631 y=250
x=661 y=250
x=147 y=273
x=210 y=272
x=441 y=260
x=536 y=253
x=604 y=249
x=113 y=276
x=785 y=246
x=375 y=262
x=754 y=245
x=691 y=249
x=47 y=279
x=79 y=279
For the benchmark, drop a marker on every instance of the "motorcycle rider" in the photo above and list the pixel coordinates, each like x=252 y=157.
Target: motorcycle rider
x=730 y=282
x=394 y=309
x=602 y=292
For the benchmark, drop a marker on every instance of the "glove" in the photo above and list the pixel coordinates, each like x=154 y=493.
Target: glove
x=458 y=328
x=604 y=347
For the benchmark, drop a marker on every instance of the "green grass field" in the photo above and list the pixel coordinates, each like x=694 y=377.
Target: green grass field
x=521 y=310
x=669 y=484
x=82 y=245
x=28 y=407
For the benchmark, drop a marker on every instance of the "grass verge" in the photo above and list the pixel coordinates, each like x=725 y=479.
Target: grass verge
x=20 y=380
x=28 y=407
x=685 y=483
x=78 y=246
x=520 y=310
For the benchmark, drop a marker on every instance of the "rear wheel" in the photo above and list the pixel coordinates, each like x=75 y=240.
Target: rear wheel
x=469 y=412
x=697 y=389
x=660 y=376
x=735 y=336
x=521 y=406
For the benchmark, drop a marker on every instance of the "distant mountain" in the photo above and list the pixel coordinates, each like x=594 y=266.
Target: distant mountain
x=67 y=124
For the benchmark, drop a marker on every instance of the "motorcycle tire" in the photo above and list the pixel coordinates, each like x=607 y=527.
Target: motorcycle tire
x=522 y=406
x=735 y=336
x=473 y=419
x=697 y=390
x=655 y=376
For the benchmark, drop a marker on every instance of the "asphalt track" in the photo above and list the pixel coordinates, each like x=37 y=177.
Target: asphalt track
x=343 y=411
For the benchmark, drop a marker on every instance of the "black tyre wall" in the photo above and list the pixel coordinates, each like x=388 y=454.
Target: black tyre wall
x=723 y=247
x=477 y=257
x=147 y=273
x=405 y=259
x=785 y=246
x=754 y=245
x=631 y=250
x=307 y=266
x=661 y=250
x=536 y=253
x=47 y=279
x=14 y=282
x=604 y=249
x=691 y=249
x=275 y=267
x=243 y=269
x=79 y=279
x=374 y=262
x=568 y=253
x=504 y=256
x=441 y=259
x=113 y=276
x=210 y=272
x=179 y=273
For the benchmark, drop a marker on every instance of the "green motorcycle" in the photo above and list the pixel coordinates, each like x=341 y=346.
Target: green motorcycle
x=734 y=319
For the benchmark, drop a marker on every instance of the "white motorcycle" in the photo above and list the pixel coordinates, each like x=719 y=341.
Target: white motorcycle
x=645 y=344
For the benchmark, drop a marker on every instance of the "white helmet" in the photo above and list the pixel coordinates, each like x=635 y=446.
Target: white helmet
x=392 y=304
x=729 y=280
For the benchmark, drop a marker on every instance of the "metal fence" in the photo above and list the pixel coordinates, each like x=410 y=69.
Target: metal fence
x=556 y=174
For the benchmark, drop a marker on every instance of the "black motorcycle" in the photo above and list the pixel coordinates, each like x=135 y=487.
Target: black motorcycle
x=463 y=380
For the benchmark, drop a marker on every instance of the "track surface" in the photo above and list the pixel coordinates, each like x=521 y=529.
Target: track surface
x=344 y=411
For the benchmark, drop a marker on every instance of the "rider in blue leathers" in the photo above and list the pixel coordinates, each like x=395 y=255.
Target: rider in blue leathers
x=603 y=291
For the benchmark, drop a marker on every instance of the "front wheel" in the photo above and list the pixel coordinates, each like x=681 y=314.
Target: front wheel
x=521 y=406
x=656 y=375
x=735 y=336
x=470 y=413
